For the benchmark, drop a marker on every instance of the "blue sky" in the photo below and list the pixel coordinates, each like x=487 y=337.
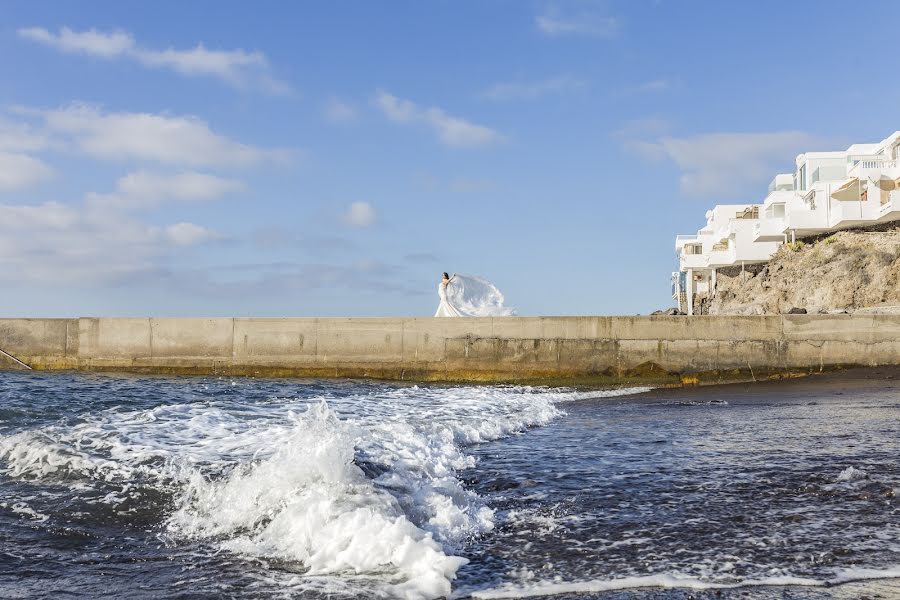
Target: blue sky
x=223 y=158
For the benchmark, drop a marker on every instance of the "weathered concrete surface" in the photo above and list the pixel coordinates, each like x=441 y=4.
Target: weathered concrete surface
x=589 y=350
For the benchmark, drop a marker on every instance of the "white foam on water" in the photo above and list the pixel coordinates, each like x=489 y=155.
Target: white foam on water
x=360 y=486
x=663 y=581
x=852 y=474
x=529 y=586
x=21 y=508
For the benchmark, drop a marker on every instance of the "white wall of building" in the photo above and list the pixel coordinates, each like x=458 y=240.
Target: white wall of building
x=828 y=191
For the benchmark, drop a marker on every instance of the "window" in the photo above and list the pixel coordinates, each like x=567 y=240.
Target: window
x=802 y=177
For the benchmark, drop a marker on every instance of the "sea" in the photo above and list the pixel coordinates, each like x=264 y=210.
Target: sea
x=117 y=486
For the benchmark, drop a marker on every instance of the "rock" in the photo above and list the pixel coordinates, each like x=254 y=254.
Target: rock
x=796 y=311
x=879 y=310
x=852 y=270
x=672 y=312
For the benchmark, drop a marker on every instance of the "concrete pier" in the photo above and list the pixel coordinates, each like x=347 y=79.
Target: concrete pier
x=552 y=350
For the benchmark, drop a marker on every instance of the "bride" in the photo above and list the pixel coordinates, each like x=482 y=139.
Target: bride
x=470 y=296
x=445 y=309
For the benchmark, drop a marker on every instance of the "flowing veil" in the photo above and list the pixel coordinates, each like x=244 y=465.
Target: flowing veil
x=475 y=296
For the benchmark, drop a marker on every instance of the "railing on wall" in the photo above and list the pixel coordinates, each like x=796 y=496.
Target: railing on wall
x=14 y=359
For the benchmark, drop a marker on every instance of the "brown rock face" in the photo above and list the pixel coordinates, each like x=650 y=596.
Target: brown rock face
x=849 y=270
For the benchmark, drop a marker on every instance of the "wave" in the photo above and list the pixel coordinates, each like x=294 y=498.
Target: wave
x=357 y=487
x=675 y=581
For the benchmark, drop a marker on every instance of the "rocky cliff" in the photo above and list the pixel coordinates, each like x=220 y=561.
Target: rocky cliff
x=846 y=271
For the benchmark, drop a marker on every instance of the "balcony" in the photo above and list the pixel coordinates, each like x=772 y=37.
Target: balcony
x=806 y=222
x=783 y=182
x=834 y=173
x=693 y=261
x=889 y=204
x=861 y=164
x=722 y=258
x=770 y=229
x=779 y=197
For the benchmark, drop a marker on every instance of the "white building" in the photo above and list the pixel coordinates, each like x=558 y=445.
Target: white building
x=828 y=191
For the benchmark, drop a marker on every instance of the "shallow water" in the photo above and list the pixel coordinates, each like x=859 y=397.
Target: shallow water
x=202 y=488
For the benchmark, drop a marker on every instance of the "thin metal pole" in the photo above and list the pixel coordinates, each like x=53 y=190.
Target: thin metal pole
x=14 y=359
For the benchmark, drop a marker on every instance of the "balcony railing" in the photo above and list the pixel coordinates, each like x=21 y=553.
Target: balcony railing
x=782 y=183
x=828 y=174
x=857 y=162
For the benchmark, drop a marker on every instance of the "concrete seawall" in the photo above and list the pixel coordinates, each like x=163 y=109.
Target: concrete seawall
x=598 y=350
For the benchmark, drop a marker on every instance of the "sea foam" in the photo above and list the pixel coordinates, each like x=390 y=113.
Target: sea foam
x=361 y=486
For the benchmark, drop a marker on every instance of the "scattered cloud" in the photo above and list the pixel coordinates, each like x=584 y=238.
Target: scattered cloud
x=451 y=131
x=530 y=90
x=147 y=189
x=20 y=171
x=554 y=23
x=55 y=243
x=21 y=137
x=238 y=68
x=188 y=234
x=360 y=214
x=727 y=165
x=92 y=42
x=160 y=138
x=339 y=111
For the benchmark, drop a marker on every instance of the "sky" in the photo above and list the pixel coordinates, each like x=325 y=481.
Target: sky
x=333 y=158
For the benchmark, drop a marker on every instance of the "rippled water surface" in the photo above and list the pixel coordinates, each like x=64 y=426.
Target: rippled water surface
x=203 y=488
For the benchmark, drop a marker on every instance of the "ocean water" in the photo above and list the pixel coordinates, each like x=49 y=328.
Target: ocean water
x=149 y=487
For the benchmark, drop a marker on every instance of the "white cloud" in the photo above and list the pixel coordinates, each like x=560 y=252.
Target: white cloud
x=727 y=165
x=450 y=130
x=397 y=109
x=360 y=214
x=20 y=137
x=19 y=171
x=529 y=90
x=553 y=23
x=146 y=189
x=239 y=68
x=54 y=243
x=188 y=234
x=91 y=42
x=338 y=111
x=154 y=137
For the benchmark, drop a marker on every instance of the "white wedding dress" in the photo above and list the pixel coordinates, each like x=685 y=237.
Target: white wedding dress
x=471 y=296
